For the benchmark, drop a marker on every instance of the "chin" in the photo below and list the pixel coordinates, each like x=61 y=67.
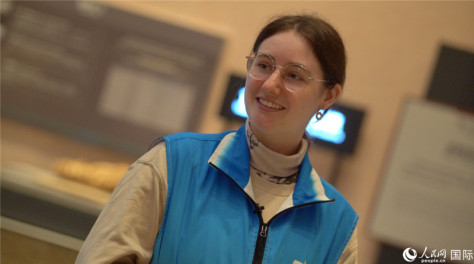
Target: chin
x=263 y=124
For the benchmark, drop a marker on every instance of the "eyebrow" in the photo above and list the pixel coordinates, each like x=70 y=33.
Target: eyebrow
x=292 y=63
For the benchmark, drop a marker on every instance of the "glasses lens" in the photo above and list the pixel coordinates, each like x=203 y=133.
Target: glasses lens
x=295 y=77
x=260 y=66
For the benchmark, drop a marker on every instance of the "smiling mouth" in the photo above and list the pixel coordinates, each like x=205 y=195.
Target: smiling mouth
x=270 y=104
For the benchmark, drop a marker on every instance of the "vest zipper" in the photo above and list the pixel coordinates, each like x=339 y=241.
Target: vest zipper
x=263 y=228
x=260 y=246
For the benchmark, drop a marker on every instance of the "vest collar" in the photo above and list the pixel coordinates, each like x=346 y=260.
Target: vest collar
x=232 y=157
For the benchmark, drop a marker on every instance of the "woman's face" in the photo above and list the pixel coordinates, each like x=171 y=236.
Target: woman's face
x=272 y=109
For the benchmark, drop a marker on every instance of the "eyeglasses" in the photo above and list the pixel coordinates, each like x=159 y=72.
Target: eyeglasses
x=295 y=77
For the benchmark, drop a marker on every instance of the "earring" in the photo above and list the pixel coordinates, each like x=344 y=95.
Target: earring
x=319 y=115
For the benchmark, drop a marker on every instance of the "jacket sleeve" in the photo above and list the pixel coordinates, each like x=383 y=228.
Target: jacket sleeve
x=349 y=254
x=127 y=227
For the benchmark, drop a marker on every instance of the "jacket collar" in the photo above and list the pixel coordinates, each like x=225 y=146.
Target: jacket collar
x=232 y=157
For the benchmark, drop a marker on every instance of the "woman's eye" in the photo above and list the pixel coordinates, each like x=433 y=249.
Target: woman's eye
x=294 y=76
x=264 y=66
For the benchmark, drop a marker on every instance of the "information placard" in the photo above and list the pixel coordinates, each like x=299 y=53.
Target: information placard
x=101 y=73
x=426 y=199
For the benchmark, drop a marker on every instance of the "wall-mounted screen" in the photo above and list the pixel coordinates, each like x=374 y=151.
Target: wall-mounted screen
x=453 y=78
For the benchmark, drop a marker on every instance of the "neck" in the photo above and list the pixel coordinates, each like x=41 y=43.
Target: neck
x=283 y=143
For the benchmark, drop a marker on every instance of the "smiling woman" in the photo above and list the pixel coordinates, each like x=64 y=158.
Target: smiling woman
x=280 y=107
x=242 y=196
x=312 y=72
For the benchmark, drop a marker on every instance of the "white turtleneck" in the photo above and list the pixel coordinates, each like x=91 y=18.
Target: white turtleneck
x=273 y=175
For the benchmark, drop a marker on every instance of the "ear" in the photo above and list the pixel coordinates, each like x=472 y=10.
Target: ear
x=331 y=96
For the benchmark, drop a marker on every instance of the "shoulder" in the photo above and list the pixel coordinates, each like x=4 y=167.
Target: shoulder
x=332 y=192
x=162 y=145
x=193 y=141
x=157 y=150
x=347 y=222
x=189 y=146
x=341 y=205
x=196 y=136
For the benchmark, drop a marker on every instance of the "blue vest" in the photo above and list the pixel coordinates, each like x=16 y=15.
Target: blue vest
x=211 y=218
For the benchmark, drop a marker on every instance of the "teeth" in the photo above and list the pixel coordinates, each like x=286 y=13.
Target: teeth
x=270 y=104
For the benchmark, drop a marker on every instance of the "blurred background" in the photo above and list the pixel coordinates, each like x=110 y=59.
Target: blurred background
x=86 y=86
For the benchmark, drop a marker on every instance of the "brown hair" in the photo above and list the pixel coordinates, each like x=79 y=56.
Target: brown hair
x=323 y=38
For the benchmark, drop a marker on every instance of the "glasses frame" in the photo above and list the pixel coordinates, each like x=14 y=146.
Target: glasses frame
x=253 y=56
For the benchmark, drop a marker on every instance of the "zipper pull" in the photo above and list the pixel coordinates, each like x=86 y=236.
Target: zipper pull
x=263 y=230
x=258 y=209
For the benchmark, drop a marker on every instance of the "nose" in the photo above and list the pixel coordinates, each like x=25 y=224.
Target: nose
x=274 y=83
